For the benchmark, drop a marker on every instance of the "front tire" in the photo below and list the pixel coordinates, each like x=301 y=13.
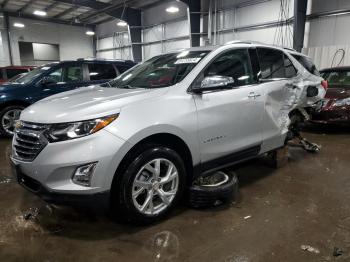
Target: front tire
x=8 y=116
x=151 y=185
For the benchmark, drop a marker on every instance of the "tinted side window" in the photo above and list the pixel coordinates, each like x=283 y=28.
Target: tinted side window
x=290 y=69
x=13 y=72
x=101 y=71
x=307 y=64
x=235 y=64
x=56 y=76
x=74 y=73
x=271 y=63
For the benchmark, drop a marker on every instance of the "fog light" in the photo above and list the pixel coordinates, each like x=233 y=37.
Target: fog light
x=83 y=174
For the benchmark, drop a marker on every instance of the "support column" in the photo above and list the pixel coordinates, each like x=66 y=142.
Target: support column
x=194 y=18
x=299 y=24
x=8 y=35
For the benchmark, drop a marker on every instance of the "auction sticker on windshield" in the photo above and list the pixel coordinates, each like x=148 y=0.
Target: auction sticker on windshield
x=193 y=60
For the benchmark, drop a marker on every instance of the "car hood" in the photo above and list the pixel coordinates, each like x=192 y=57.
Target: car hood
x=85 y=103
x=337 y=92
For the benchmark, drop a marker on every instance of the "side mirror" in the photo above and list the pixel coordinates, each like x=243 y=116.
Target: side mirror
x=216 y=82
x=46 y=81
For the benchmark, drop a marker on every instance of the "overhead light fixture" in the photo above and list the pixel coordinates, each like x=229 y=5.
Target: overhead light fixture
x=122 y=23
x=90 y=33
x=39 y=13
x=172 y=9
x=19 y=25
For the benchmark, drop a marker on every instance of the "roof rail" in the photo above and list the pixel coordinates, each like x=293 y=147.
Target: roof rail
x=290 y=49
x=105 y=59
x=244 y=42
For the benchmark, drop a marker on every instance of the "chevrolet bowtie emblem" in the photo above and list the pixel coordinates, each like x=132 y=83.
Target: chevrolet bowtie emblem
x=17 y=124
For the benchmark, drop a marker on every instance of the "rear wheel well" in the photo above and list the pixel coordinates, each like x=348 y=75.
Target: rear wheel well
x=164 y=139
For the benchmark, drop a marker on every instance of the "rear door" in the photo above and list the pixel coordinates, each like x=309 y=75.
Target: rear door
x=101 y=72
x=279 y=78
x=229 y=121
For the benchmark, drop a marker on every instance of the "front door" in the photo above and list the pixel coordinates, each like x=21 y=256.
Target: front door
x=63 y=79
x=229 y=121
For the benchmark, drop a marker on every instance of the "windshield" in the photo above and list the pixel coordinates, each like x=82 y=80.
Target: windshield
x=339 y=78
x=24 y=79
x=160 y=71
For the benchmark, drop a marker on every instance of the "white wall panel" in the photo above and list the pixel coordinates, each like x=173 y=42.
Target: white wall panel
x=72 y=40
x=261 y=13
x=105 y=43
x=105 y=55
x=149 y=51
x=176 y=45
x=176 y=29
x=152 y=34
x=323 y=56
x=4 y=57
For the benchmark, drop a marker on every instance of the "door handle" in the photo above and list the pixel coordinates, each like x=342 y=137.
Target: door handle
x=253 y=95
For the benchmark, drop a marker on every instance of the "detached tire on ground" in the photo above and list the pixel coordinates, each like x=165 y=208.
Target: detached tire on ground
x=211 y=190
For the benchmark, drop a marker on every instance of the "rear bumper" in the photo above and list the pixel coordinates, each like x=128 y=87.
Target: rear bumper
x=98 y=201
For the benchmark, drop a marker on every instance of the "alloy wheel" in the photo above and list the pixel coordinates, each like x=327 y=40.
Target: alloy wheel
x=9 y=119
x=155 y=186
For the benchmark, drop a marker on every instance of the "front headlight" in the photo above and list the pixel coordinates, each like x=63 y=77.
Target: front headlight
x=342 y=102
x=67 y=131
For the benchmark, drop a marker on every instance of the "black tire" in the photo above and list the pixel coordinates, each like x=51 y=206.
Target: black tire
x=204 y=196
x=3 y=131
x=123 y=208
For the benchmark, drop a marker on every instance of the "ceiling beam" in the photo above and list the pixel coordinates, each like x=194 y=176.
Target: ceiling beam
x=65 y=12
x=51 y=6
x=28 y=4
x=47 y=19
x=3 y=4
x=93 y=4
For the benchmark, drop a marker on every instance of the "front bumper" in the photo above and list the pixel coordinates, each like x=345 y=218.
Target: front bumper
x=98 y=201
x=50 y=174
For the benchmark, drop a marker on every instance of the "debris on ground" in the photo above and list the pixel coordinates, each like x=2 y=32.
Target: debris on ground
x=31 y=214
x=5 y=180
x=310 y=249
x=302 y=142
x=337 y=252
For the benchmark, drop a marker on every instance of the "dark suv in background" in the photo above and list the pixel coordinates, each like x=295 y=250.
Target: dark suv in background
x=51 y=79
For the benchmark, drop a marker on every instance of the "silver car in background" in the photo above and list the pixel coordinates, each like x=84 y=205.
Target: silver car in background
x=137 y=142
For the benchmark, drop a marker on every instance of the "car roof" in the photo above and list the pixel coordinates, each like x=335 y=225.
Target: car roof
x=337 y=68
x=17 y=67
x=243 y=43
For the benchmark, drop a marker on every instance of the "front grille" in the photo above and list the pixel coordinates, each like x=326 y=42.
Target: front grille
x=28 y=141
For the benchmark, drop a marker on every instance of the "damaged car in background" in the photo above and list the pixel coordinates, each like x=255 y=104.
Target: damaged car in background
x=335 y=107
x=138 y=142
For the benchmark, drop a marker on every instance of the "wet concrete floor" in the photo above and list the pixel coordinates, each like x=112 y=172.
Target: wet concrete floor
x=305 y=202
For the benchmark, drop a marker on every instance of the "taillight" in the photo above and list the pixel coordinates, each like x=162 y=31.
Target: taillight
x=324 y=84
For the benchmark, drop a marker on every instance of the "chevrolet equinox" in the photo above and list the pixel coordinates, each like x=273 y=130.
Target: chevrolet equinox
x=137 y=142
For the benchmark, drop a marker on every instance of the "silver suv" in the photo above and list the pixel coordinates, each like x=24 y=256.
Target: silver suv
x=138 y=142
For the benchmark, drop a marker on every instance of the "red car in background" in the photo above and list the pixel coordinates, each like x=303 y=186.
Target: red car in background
x=335 y=107
x=9 y=72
